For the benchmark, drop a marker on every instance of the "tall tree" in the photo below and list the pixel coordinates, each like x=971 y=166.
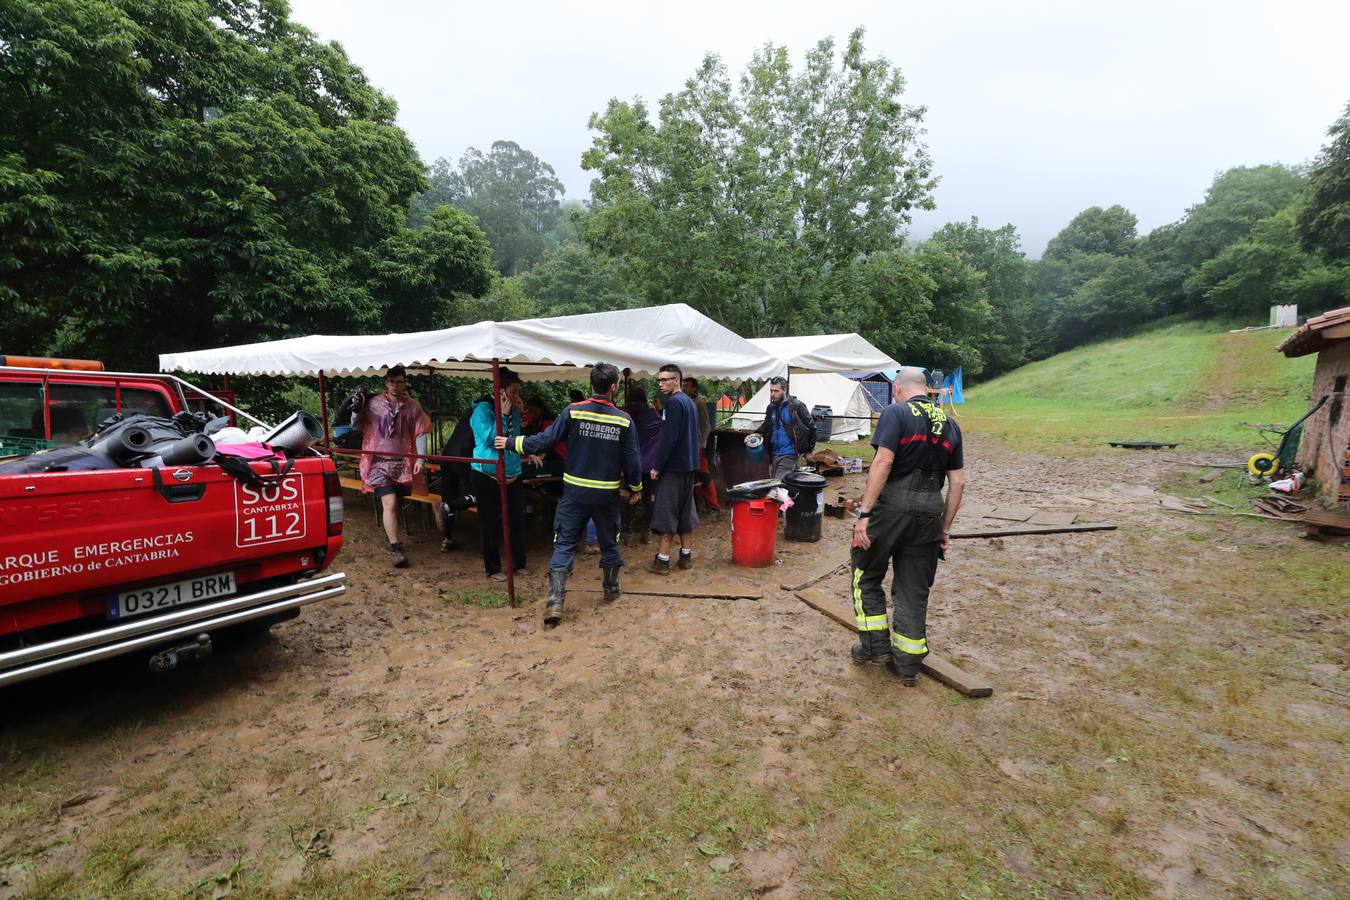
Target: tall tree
x=515 y=196
x=997 y=254
x=187 y=172
x=749 y=199
x=1324 y=221
x=1095 y=230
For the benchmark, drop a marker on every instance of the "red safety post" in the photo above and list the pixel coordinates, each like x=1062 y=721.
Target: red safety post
x=508 y=556
x=323 y=407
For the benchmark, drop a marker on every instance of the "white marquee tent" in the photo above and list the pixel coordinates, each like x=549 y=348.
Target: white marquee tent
x=537 y=349
x=848 y=400
x=826 y=353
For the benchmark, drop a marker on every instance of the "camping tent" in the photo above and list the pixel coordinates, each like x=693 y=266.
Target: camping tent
x=826 y=353
x=848 y=400
x=537 y=349
x=878 y=385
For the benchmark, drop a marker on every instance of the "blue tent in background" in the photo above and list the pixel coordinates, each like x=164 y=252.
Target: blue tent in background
x=955 y=383
x=877 y=385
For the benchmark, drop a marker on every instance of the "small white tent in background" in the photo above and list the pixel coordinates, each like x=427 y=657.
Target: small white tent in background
x=847 y=399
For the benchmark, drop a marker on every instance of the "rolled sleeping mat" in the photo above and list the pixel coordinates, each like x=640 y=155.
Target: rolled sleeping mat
x=125 y=445
x=193 y=450
x=296 y=433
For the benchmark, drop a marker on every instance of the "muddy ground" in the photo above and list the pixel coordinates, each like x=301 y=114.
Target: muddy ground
x=1169 y=718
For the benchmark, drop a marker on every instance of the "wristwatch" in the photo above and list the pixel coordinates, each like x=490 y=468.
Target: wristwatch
x=865 y=514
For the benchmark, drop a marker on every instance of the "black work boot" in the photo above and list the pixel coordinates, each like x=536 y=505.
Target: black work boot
x=557 y=589
x=397 y=557
x=866 y=656
x=610 y=579
x=659 y=566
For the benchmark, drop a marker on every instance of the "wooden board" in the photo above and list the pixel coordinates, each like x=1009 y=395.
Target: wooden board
x=1033 y=529
x=933 y=665
x=1011 y=513
x=1318 y=522
x=1052 y=517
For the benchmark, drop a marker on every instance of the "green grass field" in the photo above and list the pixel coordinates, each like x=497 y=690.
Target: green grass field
x=1190 y=382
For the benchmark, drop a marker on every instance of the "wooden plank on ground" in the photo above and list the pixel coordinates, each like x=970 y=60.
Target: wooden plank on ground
x=1052 y=517
x=1011 y=513
x=812 y=582
x=678 y=595
x=1033 y=529
x=933 y=665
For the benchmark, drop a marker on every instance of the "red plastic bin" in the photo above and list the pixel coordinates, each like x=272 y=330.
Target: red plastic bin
x=754 y=532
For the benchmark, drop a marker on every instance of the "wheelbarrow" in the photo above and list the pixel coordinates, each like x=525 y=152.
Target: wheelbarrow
x=1262 y=465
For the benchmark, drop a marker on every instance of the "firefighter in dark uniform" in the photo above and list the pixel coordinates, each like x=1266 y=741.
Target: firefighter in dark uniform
x=602 y=460
x=904 y=521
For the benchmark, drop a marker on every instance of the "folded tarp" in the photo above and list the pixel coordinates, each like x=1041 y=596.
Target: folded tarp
x=538 y=349
x=826 y=353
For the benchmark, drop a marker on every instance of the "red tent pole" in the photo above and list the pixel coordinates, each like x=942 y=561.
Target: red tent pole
x=508 y=556
x=323 y=408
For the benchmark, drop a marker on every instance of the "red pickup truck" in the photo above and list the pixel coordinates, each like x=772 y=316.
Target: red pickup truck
x=95 y=564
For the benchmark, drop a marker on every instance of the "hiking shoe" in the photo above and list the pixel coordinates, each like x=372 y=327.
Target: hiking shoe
x=497 y=576
x=865 y=657
x=686 y=561
x=659 y=566
x=522 y=572
x=448 y=544
x=397 y=557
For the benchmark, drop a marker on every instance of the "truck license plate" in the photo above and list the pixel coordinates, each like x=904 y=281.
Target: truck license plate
x=163 y=596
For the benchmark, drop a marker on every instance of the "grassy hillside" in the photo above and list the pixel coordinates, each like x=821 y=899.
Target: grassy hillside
x=1189 y=382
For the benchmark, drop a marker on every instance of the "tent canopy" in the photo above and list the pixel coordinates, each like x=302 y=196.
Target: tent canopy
x=826 y=353
x=537 y=349
x=847 y=400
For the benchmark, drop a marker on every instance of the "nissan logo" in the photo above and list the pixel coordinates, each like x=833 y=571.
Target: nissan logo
x=182 y=474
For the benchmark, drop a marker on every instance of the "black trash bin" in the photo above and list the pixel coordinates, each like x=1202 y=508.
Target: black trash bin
x=823 y=416
x=808 y=505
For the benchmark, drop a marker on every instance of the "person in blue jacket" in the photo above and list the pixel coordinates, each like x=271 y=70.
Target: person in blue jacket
x=483 y=478
x=674 y=465
x=602 y=461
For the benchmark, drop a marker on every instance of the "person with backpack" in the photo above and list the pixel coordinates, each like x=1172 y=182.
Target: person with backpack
x=904 y=521
x=788 y=428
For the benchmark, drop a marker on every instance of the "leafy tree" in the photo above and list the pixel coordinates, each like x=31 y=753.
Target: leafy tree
x=997 y=254
x=514 y=195
x=187 y=172
x=749 y=200
x=1095 y=230
x=1113 y=299
x=419 y=272
x=1324 y=222
x=1236 y=201
x=572 y=280
x=1267 y=266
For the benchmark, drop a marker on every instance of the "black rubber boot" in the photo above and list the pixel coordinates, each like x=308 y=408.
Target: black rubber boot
x=557 y=590
x=610 y=577
x=864 y=656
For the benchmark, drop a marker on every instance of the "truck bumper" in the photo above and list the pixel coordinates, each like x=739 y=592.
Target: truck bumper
x=142 y=634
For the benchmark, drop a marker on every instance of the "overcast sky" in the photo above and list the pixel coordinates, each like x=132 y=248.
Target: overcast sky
x=1035 y=110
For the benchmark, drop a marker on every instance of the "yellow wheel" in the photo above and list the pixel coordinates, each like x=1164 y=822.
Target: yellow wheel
x=1261 y=464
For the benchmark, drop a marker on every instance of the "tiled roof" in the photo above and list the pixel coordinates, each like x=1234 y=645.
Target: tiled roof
x=1317 y=332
